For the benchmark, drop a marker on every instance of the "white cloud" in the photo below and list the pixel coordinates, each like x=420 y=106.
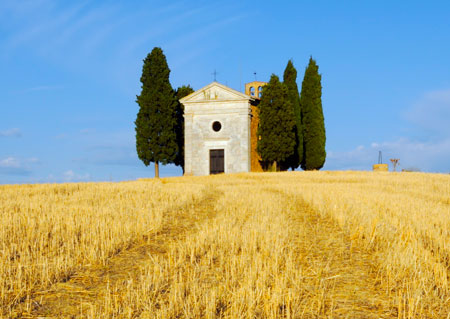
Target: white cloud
x=13 y=132
x=71 y=176
x=16 y=166
x=430 y=116
x=10 y=162
x=33 y=160
x=432 y=156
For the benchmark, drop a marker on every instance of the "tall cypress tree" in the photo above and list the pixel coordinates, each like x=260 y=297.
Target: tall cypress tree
x=290 y=79
x=156 y=120
x=181 y=93
x=314 y=153
x=276 y=135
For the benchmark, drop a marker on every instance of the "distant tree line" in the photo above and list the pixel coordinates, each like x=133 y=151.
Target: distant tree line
x=291 y=130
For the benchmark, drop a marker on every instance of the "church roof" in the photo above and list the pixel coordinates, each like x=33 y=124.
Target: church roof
x=215 y=91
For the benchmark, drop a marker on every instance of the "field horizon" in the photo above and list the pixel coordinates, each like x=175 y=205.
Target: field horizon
x=331 y=244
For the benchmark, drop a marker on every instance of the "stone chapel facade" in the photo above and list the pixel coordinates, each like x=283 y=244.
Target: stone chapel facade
x=219 y=136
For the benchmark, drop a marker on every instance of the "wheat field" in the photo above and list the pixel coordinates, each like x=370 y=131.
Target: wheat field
x=257 y=245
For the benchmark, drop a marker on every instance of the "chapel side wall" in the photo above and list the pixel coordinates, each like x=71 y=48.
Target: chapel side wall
x=255 y=158
x=245 y=141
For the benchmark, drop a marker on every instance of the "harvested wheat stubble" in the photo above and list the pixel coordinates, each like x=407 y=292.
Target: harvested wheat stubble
x=91 y=284
x=251 y=261
x=50 y=231
x=278 y=245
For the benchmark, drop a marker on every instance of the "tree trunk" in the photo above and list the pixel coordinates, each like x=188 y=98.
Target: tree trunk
x=274 y=166
x=156 y=170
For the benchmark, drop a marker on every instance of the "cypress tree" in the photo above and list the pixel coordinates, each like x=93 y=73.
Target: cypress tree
x=290 y=79
x=276 y=136
x=156 y=120
x=314 y=153
x=181 y=92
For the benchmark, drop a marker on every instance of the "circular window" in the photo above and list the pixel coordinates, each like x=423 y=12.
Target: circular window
x=216 y=126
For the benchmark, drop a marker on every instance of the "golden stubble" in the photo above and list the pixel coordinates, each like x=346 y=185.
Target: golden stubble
x=49 y=231
x=270 y=245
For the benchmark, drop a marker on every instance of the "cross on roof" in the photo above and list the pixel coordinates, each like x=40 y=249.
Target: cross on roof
x=215 y=74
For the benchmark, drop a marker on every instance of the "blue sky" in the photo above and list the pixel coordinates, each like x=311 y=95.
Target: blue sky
x=69 y=76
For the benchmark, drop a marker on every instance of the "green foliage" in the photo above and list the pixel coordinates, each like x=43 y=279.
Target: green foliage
x=290 y=79
x=156 y=120
x=181 y=93
x=276 y=133
x=314 y=153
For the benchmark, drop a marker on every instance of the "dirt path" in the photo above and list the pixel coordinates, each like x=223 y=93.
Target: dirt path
x=341 y=276
x=87 y=288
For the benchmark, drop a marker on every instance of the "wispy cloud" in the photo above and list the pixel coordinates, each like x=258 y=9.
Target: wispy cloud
x=10 y=162
x=71 y=176
x=46 y=24
x=198 y=41
x=432 y=156
x=15 y=162
x=430 y=151
x=66 y=34
x=13 y=132
x=432 y=112
x=15 y=166
x=75 y=36
x=17 y=10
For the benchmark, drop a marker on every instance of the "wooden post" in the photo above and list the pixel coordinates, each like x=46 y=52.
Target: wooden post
x=156 y=169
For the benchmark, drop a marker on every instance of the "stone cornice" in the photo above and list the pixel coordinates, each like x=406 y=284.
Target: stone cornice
x=239 y=95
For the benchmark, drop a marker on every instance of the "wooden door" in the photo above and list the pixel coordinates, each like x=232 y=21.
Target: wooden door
x=216 y=161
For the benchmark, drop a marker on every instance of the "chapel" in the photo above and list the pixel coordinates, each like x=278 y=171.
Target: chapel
x=220 y=129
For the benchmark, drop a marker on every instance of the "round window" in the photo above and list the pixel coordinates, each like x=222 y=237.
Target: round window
x=216 y=126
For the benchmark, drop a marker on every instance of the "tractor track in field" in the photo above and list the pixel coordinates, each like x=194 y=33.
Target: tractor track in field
x=89 y=286
x=340 y=274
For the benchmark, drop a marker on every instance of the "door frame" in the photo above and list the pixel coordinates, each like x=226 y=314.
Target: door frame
x=209 y=159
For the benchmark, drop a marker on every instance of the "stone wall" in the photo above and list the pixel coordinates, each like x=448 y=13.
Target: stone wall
x=255 y=159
